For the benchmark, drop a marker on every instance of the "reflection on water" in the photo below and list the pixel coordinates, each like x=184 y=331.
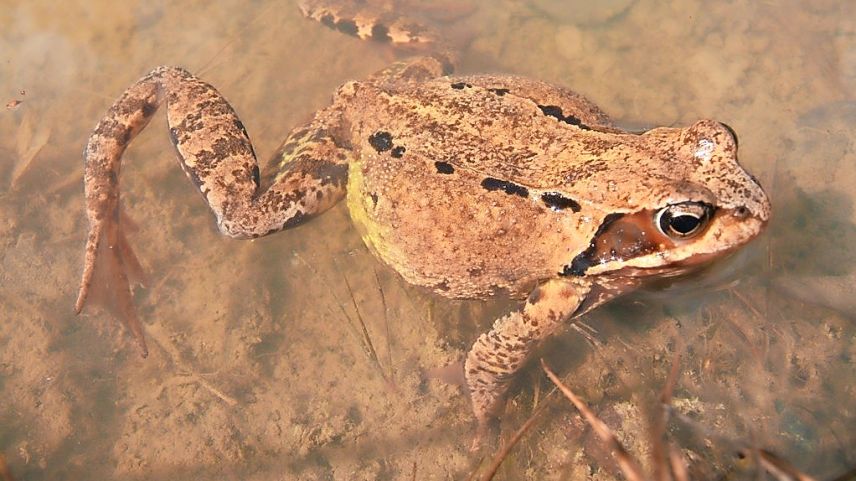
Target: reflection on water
x=261 y=368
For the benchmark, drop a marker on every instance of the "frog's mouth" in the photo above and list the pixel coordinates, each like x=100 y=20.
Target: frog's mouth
x=681 y=268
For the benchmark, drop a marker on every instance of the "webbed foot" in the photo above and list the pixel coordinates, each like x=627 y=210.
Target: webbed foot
x=109 y=269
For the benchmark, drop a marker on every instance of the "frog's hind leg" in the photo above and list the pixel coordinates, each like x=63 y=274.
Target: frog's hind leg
x=215 y=152
x=106 y=240
x=499 y=354
x=374 y=20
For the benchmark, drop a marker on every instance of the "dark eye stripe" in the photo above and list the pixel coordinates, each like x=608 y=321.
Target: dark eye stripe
x=585 y=259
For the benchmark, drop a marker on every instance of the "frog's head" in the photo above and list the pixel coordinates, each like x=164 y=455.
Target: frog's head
x=700 y=205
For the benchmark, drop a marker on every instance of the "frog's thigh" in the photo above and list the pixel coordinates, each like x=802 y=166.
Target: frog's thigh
x=498 y=354
x=382 y=21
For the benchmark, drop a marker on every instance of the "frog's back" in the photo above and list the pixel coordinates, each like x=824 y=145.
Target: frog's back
x=501 y=126
x=450 y=175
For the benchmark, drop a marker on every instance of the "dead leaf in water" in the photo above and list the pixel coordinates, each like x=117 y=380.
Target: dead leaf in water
x=30 y=141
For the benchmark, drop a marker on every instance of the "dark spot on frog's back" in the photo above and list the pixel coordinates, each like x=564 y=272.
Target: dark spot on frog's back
x=552 y=111
x=381 y=141
x=498 y=91
x=460 y=85
x=397 y=152
x=490 y=184
x=556 y=112
x=444 y=167
x=557 y=201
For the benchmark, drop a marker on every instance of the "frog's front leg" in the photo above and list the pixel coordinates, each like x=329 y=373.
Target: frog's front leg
x=215 y=152
x=498 y=354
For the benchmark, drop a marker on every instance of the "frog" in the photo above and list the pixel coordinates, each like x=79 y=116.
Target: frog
x=473 y=186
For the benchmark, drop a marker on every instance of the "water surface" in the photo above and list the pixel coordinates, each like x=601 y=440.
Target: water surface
x=259 y=367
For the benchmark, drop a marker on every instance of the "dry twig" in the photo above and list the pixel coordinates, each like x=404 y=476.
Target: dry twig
x=514 y=439
x=631 y=469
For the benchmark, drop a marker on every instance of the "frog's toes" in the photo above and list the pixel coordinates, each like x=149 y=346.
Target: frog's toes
x=109 y=274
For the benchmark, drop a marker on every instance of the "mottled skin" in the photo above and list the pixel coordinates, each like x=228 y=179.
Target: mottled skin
x=472 y=186
x=377 y=20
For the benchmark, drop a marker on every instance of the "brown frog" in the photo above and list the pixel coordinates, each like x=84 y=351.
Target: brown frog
x=473 y=186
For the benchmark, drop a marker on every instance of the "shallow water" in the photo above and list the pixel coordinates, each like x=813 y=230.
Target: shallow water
x=259 y=368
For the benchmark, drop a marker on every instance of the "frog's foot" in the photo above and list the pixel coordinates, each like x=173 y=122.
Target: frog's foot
x=500 y=353
x=110 y=268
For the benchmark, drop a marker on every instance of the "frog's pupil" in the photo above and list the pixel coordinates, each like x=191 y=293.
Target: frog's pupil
x=680 y=221
x=684 y=224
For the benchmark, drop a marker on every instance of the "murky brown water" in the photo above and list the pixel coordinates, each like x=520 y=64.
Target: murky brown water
x=257 y=373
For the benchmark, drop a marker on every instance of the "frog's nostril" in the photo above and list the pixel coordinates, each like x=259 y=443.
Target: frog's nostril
x=741 y=212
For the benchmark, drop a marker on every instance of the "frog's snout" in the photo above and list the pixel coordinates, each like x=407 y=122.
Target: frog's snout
x=760 y=207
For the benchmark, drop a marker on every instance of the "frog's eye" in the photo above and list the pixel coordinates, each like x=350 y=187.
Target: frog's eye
x=684 y=220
